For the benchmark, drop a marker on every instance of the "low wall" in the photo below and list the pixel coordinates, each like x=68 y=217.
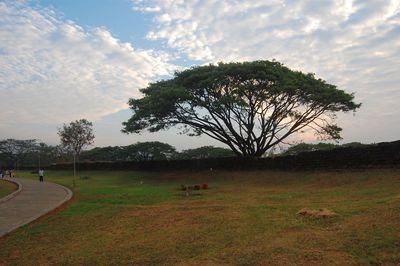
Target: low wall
x=379 y=155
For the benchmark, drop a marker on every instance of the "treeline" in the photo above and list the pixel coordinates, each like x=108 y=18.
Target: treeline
x=309 y=147
x=32 y=153
x=153 y=150
x=16 y=153
x=380 y=155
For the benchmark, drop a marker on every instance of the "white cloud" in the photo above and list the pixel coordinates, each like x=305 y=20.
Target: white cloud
x=53 y=71
x=354 y=44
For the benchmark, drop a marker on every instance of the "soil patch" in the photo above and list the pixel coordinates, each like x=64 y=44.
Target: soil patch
x=320 y=213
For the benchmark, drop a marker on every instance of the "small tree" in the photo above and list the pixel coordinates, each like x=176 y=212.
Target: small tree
x=76 y=136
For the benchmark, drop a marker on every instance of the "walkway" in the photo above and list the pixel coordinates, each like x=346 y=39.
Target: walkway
x=31 y=201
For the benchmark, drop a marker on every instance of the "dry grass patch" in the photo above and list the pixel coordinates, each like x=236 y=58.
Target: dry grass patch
x=321 y=213
x=246 y=218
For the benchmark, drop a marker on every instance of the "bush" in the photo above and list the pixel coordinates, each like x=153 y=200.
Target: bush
x=193 y=187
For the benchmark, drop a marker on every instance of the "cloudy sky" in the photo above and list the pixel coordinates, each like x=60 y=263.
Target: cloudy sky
x=62 y=60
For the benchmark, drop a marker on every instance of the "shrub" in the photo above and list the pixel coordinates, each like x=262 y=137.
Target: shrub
x=193 y=187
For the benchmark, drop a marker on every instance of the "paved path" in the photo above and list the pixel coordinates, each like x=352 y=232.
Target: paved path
x=32 y=200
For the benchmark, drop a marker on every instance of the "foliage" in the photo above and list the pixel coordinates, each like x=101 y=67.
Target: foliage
x=151 y=150
x=30 y=153
x=204 y=152
x=249 y=106
x=141 y=151
x=355 y=145
x=103 y=154
x=308 y=147
x=76 y=135
x=12 y=151
x=63 y=153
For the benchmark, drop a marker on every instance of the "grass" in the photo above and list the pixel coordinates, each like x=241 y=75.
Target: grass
x=6 y=188
x=245 y=218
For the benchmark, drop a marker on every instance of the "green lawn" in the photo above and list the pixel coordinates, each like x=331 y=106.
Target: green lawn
x=245 y=218
x=6 y=188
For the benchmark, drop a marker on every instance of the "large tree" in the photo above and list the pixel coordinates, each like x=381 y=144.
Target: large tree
x=75 y=136
x=249 y=106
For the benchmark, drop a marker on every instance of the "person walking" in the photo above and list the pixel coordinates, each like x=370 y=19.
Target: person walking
x=41 y=174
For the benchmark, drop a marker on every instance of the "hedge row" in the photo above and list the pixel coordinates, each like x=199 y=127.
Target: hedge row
x=385 y=154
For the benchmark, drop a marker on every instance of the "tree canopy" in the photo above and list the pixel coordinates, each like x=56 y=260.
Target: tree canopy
x=146 y=151
x=103 y=154
x=309 y=147
x=141 y=151
x=76 y=136
x=203 y=153
x=12 y=151
x=249 y=106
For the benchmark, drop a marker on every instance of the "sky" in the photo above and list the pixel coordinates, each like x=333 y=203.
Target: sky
x=62 y=60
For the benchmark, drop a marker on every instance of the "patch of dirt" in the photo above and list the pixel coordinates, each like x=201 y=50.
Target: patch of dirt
x=320 y=213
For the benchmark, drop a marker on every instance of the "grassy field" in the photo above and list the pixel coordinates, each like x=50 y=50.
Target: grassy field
x=245 y=218
x=6 y=188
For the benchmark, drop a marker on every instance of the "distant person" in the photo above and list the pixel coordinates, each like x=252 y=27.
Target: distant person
x=1 y=173
x=41 y=174
x=7 y=173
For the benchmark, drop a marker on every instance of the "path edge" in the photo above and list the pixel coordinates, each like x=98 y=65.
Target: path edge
x=67 y=197
x=13 y=194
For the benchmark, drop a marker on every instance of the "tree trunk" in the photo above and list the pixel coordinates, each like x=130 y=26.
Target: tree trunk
x=74 y=165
